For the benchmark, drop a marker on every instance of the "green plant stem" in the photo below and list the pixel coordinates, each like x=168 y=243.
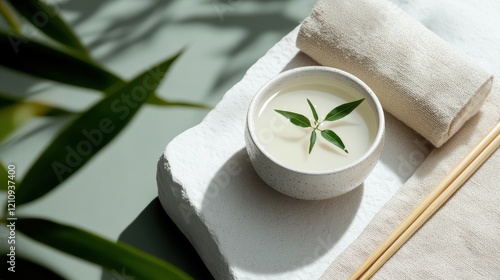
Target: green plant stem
x=10 y=17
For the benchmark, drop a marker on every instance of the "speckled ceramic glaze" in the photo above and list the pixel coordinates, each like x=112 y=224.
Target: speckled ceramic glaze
x=312 y=185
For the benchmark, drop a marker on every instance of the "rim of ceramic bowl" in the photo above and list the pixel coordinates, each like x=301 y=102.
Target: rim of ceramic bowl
x=264 y=91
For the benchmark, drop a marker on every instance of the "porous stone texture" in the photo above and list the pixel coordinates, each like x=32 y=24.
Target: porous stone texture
x=242 y=228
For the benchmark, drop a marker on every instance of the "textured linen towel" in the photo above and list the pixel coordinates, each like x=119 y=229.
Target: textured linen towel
x=417 y=76
x=434 y=90
x=461 y=240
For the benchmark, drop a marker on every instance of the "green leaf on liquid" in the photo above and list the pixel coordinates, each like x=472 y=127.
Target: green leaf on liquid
x=335 y=114
x=315 y=114
x=333 y=138
x=312 y=140
x=13 y=115
x=342 y=110
x=296 y=119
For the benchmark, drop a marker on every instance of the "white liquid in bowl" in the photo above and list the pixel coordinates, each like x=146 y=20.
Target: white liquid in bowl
x=288 y=144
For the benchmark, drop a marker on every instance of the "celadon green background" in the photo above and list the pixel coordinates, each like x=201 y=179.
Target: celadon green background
x=114 y=195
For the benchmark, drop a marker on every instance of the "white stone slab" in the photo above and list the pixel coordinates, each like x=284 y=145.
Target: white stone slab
x=242 y=228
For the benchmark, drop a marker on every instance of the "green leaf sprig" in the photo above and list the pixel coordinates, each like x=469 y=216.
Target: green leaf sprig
x=335 y=114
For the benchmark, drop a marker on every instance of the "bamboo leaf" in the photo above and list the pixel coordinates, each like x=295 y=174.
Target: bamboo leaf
x=68 y=67
x=10 y=17
x=6 y=100
x=315 y=114
x=342 y=110
x=13 y=115
x=11 y=118
x=90 y=247
x=26 y=269
x=333 y=138
x=312 y=140
x=40 y=109
x=89 y=133
x=25 y=55
x=296 y=119
x=45 y=18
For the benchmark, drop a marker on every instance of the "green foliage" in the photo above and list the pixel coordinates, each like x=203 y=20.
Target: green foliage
x=10 y=17
x=333 y=138
x=70 y=63
x=95 y=249
x=335 y=114
x=296 y=119
x=343 y=110
x=62 y=65
x=14 y=113
x=49 y=22
x=313 y=110
x=89 y=133
x=312 y=140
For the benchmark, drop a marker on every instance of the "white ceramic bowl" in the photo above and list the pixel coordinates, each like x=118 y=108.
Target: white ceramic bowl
x=312 y=185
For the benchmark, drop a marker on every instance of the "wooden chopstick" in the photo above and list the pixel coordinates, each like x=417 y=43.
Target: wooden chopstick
x=448 y=185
